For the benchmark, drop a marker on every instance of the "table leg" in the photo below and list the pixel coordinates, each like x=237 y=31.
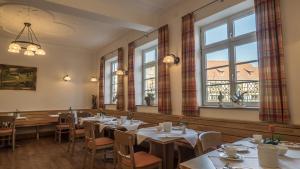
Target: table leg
x=165 y=152
x=37 y=133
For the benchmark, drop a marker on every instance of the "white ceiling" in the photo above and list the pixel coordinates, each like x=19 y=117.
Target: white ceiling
x=88 y=24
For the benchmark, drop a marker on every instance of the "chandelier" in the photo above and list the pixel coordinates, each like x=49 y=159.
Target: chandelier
x=31 y=45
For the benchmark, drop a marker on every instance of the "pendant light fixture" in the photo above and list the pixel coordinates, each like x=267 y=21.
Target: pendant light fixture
x=31 y=45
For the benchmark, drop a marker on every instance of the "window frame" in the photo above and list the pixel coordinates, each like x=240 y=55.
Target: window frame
x=230 y=43
x=112 y=73
x=148 y=65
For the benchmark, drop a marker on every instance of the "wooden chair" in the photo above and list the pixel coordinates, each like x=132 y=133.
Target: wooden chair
x=7 y=129
x=63 y=126
x=80 y=115
x=128 y=159
x=93 y=144
x=185 y=151
x=210 y=140
x=74 y=134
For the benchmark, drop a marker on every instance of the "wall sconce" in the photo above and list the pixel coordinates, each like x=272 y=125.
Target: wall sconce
x=171 y=58
x=121 y=72
x=93 y=79
x=67 y=78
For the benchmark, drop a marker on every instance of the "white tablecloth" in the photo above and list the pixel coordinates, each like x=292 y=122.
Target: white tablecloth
x=191 y=136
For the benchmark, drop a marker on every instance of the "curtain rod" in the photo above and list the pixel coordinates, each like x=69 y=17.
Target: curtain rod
x=194 y=11
x=111 y=52
x=145 y=35
x=206 y=5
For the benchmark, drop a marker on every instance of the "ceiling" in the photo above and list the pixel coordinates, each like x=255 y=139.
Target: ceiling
x=88 y=24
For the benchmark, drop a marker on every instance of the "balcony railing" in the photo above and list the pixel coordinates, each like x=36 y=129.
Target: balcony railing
x=214 y=87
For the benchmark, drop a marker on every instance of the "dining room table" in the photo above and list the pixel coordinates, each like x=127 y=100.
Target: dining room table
x=249 y=160
x=162 y=143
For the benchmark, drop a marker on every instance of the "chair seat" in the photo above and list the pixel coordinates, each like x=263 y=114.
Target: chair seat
x=100 y=142
x=79 y=132
x=142 y=159
x=62 y=126
x=5 y=131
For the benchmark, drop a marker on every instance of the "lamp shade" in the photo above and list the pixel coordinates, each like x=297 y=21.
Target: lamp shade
x=32 y=48
x=40 y=52
x=168 y=59
x=67 y=78
x=171 y=59
x=121 y=72
x=94 y=79
x=28 y=53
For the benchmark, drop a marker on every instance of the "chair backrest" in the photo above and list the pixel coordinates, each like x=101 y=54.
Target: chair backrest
x=84 y=114
x=210 y=140
x=7 y=122
x=63 y=118
x=89 y=130
x=124 y=147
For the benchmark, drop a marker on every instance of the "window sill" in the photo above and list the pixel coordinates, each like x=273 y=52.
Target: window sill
x=229 y=107
x=146 y=106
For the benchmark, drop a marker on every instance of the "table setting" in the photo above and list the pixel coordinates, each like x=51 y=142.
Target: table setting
x=165 y=132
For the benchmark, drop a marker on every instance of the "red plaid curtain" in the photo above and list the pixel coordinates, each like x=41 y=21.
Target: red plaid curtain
x=273 y=95
x=131 y=92
x=120 y=92
x=189 y=98
x=164 y=90
x=101 y=83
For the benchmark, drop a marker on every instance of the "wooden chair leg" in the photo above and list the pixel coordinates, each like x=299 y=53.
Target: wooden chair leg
x=85 y=157
x=73 y=146
x=69 y=145
x=59 y=136
x=93 y=158
x=160 y=165
x=13 y=142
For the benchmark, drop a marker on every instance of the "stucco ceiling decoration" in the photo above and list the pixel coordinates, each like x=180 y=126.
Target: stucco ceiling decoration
x=13 y=16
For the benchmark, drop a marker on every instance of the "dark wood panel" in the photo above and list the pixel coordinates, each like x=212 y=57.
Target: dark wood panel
x=232 y=130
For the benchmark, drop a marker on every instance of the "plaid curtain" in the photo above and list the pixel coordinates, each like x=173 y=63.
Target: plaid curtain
x=131 y=92
x=164 y=90
x=120 y=89
x=101 y=83
x=273 y=95
x=189 y=98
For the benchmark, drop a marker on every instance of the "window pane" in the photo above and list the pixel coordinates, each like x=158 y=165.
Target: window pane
x=150 y=85
x=218 y=58
x=150 y=72
x=114 y=67
x=247 y=81
x=216 y=34
x=244 y=25
x=218 y=74
x=149 y=56
x=246 y=52
x=248 y=71
x=213 y=91
x=114 y=79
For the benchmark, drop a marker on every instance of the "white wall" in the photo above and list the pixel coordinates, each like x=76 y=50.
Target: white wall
x=52 y=92
x=173 y=16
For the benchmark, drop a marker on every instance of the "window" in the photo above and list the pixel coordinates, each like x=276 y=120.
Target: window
x=113 y=82
x=149 y=73
x=229 y=59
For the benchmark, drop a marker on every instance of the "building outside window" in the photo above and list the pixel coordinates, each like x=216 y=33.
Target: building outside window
x=229 y=59
x=149 y=73
x=113 y=82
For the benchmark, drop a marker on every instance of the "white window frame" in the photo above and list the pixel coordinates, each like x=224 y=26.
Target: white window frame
x=229 y=44
x=144 y=67
x=112 y=74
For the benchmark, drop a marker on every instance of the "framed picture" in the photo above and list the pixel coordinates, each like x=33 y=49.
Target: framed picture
x=17 y=77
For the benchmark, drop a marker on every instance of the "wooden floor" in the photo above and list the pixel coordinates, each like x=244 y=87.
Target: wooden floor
x=46 y=154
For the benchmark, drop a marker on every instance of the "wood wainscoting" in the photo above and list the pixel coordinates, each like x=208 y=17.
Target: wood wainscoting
x=232 y=130
x=38 y=123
